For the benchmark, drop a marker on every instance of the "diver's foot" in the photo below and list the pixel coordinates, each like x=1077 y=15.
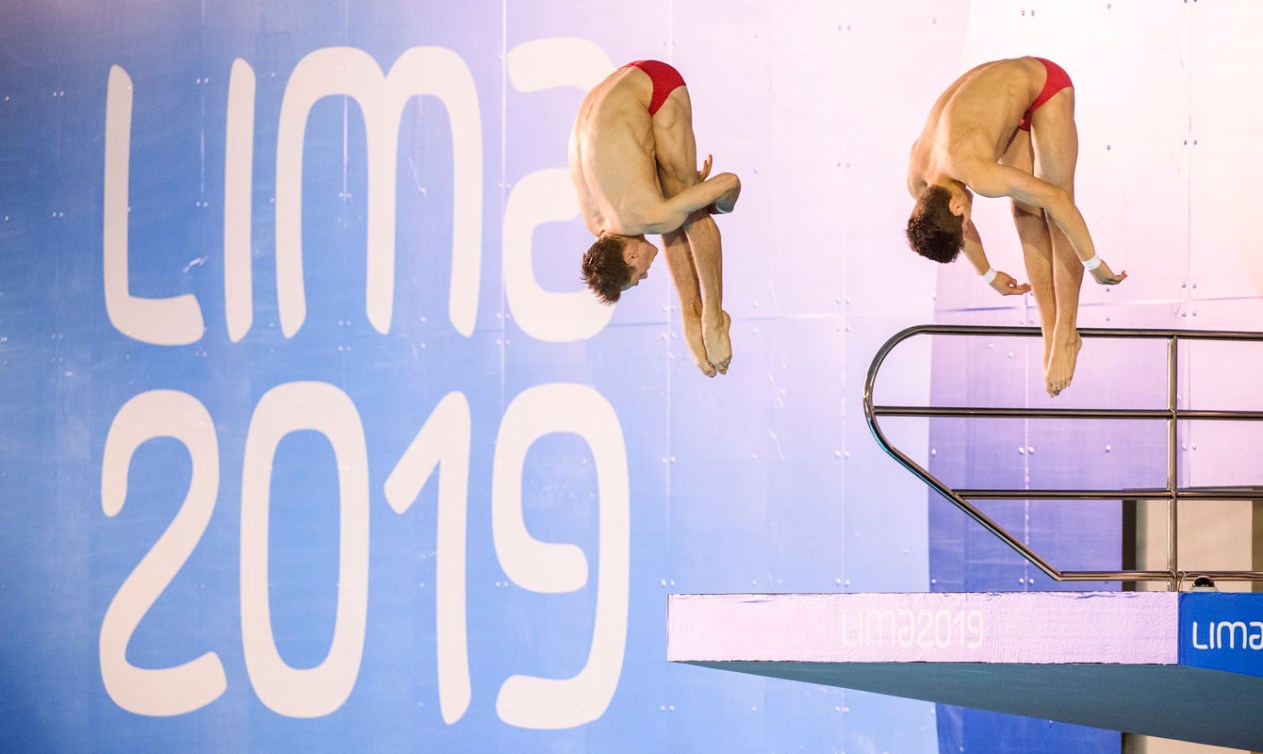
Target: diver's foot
x=1061 y=362
x=718 y=345
x=697 y=347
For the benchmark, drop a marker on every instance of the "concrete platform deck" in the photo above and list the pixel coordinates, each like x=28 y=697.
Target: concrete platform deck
x=1185 y=666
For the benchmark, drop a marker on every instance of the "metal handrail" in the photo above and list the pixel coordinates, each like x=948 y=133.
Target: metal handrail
x=1172 y=415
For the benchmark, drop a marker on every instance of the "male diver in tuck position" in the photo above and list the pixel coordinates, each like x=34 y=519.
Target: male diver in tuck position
x=1006 y=128
x=633 y=161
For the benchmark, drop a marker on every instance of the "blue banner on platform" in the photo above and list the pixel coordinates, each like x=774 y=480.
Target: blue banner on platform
x=1222 y=632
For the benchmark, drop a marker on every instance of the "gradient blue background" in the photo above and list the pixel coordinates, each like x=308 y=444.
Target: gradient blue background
x=763 y=480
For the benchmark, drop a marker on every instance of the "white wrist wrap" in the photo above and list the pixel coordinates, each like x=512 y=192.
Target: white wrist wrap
x=1092 y=263
x=989 y=275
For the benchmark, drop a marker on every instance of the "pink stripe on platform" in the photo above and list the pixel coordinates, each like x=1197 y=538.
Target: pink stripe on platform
x=1008 y=627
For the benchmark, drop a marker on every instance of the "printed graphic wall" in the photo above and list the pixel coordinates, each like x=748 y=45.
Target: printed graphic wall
x=312 y=439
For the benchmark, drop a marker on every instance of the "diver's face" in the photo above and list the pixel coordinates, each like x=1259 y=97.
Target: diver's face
x=962 y=204
x=639 y=255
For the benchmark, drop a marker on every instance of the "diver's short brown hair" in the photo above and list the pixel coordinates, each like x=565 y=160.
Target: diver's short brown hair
x=605 y=270
x=933 y=231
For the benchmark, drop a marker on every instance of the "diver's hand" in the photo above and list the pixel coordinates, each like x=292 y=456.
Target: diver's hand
x=1005 y=285
x=704 y=173
x=1105 y=276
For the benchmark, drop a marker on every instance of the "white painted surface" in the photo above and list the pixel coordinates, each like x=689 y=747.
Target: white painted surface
x=1014 y=627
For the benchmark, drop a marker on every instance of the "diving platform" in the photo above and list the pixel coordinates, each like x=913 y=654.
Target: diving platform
x=1177 y=665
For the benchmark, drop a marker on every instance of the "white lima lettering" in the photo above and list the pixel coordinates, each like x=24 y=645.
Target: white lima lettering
x=926 y=629
x=350 y=72
x=1216 y=632
x=433 y=72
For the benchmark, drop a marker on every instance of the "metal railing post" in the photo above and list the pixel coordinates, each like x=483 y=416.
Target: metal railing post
x=1173 y=478
x=1172 y=414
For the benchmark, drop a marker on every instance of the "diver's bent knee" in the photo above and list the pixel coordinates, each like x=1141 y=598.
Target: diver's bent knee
x=1023 y=212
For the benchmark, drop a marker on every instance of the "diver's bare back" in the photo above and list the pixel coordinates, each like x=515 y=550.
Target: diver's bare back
x=974 y=120
x=612 y=158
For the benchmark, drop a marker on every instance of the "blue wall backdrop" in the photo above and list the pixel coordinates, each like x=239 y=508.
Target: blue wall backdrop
x=312 y=439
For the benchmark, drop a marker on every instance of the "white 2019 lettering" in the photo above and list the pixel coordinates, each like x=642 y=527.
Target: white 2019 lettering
x=442 y=444
x=938 y=629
